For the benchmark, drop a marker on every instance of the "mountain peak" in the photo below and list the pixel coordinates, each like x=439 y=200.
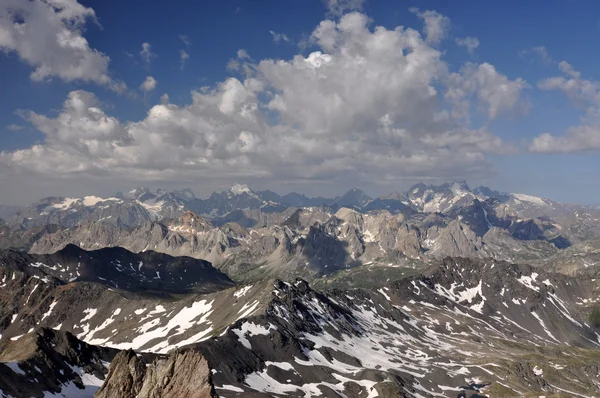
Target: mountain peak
x=194 y=222
x=529 y=199
x=459 y=184
x=185 y=194
x=238 y=189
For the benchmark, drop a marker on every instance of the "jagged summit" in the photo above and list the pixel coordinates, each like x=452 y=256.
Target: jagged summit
x=142 y=204
x=238 y=189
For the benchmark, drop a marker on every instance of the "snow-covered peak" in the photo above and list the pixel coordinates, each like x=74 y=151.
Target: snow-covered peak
x=528 y=198
x=87 y=201
x=459 y=188
x=93 y=200
x=238 y=189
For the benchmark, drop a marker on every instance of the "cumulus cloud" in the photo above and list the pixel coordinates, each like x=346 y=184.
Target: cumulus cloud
x=585 y=94
x=436 y=24
x=48 y=36
x=81 y=130
x=183 y=56
x=365 y=106
x=539 y=52
x=470 y=43
x=337 y=8
x=495 y=92
x=584 y=138
x=579 y=90
x=148 y=84
x=278 y=37
x=147 y=54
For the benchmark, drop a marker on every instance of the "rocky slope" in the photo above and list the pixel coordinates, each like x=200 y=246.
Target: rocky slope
x=23 y=238
x=8 y=210
x=465 y=327
x=48 y=362
x=119 y=268
x=313 y=242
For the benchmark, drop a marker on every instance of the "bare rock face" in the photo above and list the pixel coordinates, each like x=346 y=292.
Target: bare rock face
x=182 y=374
x=125 y=376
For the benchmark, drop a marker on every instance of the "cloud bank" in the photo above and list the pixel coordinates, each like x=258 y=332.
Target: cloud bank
x=48 y=36
x=367 y=105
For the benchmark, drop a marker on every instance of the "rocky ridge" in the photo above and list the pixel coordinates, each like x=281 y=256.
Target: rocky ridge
x=314 y=242
x=119 y=268
x=464 y=327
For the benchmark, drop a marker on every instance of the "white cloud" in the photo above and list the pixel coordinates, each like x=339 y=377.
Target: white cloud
x=495 y=92
x=577 y=89
x=364 y=107
x=14 y=127
x=147 y=54
x=48 y=36
x=584 y=138
x=242 y=63
x=82 y=130
x=337 y=8
x=183 y=56
x=585 y=94
x=278 y=37
x=185 y=40
x=538 y=51
x=470 y=43
x=436 y=24
x=149 y=84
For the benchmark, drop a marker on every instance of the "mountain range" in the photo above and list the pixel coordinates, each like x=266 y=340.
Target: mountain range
x=462 y=328
x=439 y=291
x=140 y=204
x=349 y=234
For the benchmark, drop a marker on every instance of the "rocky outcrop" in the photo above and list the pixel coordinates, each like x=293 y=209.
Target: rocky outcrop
x=182 y=374
x=125 y=377
x=46 y=362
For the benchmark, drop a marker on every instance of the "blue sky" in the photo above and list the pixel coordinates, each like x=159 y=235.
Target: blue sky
x=312 y=106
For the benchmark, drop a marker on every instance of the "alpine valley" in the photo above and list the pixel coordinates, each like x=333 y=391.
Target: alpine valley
x=439 y=291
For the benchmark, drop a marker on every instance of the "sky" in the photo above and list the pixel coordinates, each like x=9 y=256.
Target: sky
x=312 y=96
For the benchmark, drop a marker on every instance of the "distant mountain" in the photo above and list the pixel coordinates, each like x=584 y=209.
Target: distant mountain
x=24 y=238
x=313 y=242
x=353 y=199
x=141 y=204
x=238 y=197
x=68 y=212
x=432 y=198
x=524 y=217
x=6 y=211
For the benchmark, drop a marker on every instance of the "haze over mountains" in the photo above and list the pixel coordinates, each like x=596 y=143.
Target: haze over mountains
x=437 y=291
x=251 y=235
